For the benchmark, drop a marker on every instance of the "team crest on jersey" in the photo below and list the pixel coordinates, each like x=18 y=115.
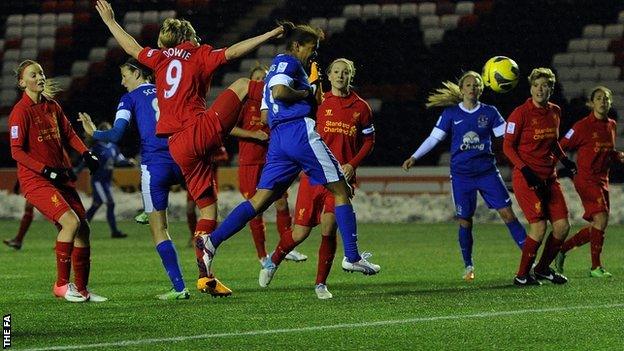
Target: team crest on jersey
x=301 y=212
x=534 y=121
x=538 y=207
x=55 y=200
x=281 y=67
x=356 y=115
x=595 y=135
x=482 y=121
x=328 y=112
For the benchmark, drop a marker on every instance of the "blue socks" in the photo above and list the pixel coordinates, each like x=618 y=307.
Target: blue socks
x=169 y=258
x=233 y=223
x=345 y=218
x=517 y=231
x=465 y=243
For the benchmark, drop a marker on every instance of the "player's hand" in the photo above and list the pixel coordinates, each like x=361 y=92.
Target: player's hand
x=106 y=11
x=261 y=135
x=409 y=163
x=531 y=178
x=277 y=32
x=348 y=171
x=56 y=175
x=93 y=163
x=620 y=156
x=570 y=166
x=87 y=123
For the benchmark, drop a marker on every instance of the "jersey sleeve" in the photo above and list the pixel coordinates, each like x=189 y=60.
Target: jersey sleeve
x=572 y=139
x=19 y=129
x=68 y=132
x=285 y=73
x=443 y=125
x=367 y=129
x=212 y=58
x=122 y=120
x=498 y=123
x=149 y=57
x=513 y=131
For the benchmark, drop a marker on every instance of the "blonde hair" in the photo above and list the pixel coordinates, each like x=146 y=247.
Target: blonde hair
x=596 y=89
x=451 y=94
x=51 y=87
x=174 y=31
x=542 y=72
x=350 y=68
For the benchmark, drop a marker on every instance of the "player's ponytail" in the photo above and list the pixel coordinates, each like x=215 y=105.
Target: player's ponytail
x=451 y=94
x=51 y=87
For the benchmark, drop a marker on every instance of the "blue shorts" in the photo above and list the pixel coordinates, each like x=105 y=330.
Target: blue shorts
x=295 y=146
x=489 y=185
x=101 y=192
x=156 y=179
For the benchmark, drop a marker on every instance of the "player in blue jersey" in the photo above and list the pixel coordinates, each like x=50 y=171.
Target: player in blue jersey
x=158 y=170
x=109 y=155
x=473 y=166
x=294 y=146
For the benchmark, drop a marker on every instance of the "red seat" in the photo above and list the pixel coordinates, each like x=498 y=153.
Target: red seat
x=116 y=56
x=49 y=6
x=12 y=44
x=149 y=33
x=482 y=7
x=64 y=32
x=65 y=6
x=616 y=45
x=82 y=18
x=468 y=21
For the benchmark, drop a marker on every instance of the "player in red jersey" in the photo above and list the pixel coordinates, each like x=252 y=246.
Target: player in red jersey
x=344 y=121
x=253 y=135
x=27 y=218
x=593 y=137
x=532 y=147
x=183 y=70
x=40 y=135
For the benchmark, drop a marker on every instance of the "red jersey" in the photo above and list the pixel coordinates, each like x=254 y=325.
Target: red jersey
x=40 y=134
x=346 y=126
x=531 y=138
x=595 y=141
x=252 y=151
x=183 y=77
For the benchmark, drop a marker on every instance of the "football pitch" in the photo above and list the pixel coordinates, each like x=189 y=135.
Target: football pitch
x=417 y=302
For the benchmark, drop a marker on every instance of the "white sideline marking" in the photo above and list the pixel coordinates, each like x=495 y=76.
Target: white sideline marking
x=326 y=327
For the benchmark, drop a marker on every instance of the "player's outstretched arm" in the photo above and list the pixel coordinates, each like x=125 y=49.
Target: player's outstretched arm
x=244 y=47
x=125 y=40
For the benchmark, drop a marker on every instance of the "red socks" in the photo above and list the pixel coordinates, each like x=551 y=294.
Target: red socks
x=529 y=251
x=191 y=220
x=327 y=251
x=25 y=223
x=258 y=233
x=597 y=239
x=285 y=245
x=283 y=221
x=204 y=226
x=81 y=259
x=63 y=262
x=581 y=238
x=551 y=249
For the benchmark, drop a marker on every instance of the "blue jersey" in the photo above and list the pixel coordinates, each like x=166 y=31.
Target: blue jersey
x=471 y=143
x=286 y=70
x=141 y=103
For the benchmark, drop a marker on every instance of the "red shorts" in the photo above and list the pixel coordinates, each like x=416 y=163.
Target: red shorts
x=594 y=196
x=531 y=205
x=53 y=202
x=194 y=147
x=312 y=201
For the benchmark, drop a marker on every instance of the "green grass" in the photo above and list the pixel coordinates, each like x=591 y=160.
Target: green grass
x=419 y=286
